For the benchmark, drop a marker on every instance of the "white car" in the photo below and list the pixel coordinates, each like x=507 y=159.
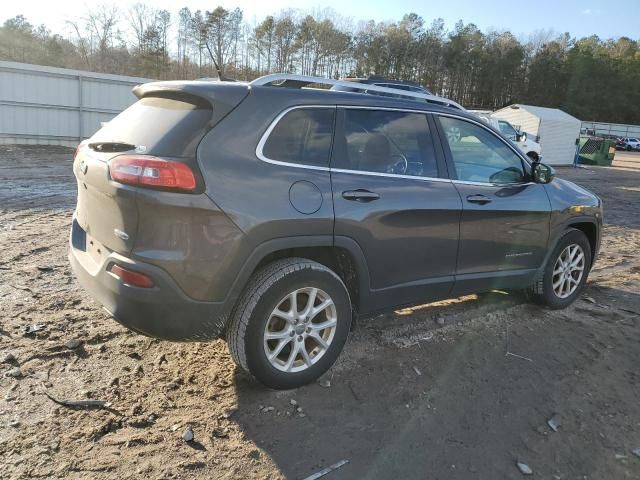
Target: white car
x=521 y=140
x=630 y=144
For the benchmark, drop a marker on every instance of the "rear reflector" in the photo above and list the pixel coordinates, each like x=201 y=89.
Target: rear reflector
x=152 y=172
x=130 y=277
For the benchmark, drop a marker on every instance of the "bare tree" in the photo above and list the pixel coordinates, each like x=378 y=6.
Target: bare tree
x=264 y=33
x=82 y=42
x=284 y=34
x=184 y=28
x=101 y=22
x=222 y=28
x=141 y=17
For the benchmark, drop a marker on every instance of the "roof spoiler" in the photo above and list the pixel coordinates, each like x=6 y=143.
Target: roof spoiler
x=226 y=92
x=221 y=96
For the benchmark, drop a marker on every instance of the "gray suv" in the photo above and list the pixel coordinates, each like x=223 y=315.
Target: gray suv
x=271 y=213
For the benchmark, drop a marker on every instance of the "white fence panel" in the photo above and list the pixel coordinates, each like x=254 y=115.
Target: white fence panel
x=619 y=130
x=57 y=106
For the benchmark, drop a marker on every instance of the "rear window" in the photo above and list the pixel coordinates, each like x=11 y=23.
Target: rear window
x=164 y=126
x=302 y=136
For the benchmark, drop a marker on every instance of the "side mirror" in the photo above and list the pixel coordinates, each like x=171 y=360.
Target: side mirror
x=541 y=173
x=521 y=137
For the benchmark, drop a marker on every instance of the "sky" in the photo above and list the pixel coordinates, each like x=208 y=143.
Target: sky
x=579 y=18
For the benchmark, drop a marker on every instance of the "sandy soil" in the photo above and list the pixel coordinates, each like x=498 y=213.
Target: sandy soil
x=454 y=390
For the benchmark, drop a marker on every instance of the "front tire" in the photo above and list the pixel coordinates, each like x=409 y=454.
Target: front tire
x=566 y=271
x=291 y=323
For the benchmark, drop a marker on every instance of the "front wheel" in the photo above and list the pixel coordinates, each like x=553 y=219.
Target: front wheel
x=291 y=323
x=566 y=271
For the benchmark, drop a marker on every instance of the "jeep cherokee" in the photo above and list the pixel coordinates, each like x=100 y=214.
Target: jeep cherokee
x=270 y=213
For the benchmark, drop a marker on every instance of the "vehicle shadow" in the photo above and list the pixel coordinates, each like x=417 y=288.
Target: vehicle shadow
x=411 y=398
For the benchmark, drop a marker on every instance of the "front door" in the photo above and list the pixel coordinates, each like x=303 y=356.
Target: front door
x=504 y=227
x=390 y=198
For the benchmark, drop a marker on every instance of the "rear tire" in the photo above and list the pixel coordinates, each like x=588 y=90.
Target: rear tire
x=566 y=272
x=290 y=324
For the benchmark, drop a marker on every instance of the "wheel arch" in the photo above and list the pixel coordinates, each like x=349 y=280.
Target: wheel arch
x=343 y=256
x=590 y=229
x=586 y=225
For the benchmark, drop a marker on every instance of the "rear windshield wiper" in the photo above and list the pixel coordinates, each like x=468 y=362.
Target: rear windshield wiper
x=111 y=147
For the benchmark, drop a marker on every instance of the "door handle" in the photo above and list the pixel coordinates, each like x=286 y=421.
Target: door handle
x=479 y=199
x=360 y=195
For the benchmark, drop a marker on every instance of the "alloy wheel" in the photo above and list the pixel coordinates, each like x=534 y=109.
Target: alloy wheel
x=300 y=329
x=568 y=271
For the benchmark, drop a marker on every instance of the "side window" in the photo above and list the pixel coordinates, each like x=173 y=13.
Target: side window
x=387 y=142
x=302 y=136
x=480 y=156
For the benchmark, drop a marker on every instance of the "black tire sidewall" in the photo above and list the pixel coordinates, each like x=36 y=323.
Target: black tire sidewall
x=548 y=296
x=257 y=362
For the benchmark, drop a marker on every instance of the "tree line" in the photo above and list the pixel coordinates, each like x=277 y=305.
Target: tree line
x=591 y=78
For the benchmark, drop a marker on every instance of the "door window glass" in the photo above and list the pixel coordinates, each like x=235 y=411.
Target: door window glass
x=480 y=156
x=388 y=142
x=302 y=136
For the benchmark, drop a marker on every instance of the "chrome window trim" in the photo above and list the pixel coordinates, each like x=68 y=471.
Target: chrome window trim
x=272 y=125
x=265 y=136
x=489 y=184
x=390 y=109
x=391 y=175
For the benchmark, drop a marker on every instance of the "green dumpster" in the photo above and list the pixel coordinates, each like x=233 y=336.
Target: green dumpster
x=596 y=151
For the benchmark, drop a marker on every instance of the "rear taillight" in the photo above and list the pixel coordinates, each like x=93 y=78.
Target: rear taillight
x=152 y=172
x=131 y=277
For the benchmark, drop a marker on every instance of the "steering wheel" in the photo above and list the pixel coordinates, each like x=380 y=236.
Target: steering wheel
x=507 y=175
x=454 y=135
x=400 y=166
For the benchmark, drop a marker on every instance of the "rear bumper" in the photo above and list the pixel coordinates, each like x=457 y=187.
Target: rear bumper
x=163 y=311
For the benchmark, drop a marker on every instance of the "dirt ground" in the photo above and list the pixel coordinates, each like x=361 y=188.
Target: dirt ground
x=461 y=389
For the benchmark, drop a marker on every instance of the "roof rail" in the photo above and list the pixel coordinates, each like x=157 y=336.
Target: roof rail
x=300 y=81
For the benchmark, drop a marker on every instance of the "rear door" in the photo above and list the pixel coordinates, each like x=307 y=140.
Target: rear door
x=504 y=228
x=390 y=196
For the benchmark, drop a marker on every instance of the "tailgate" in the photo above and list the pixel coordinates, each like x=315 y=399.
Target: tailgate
x=106 y=210
x=168 y=121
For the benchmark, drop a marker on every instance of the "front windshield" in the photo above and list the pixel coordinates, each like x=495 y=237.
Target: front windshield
x=507 y=130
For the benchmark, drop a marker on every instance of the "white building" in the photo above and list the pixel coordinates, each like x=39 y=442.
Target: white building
x=557 y=130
